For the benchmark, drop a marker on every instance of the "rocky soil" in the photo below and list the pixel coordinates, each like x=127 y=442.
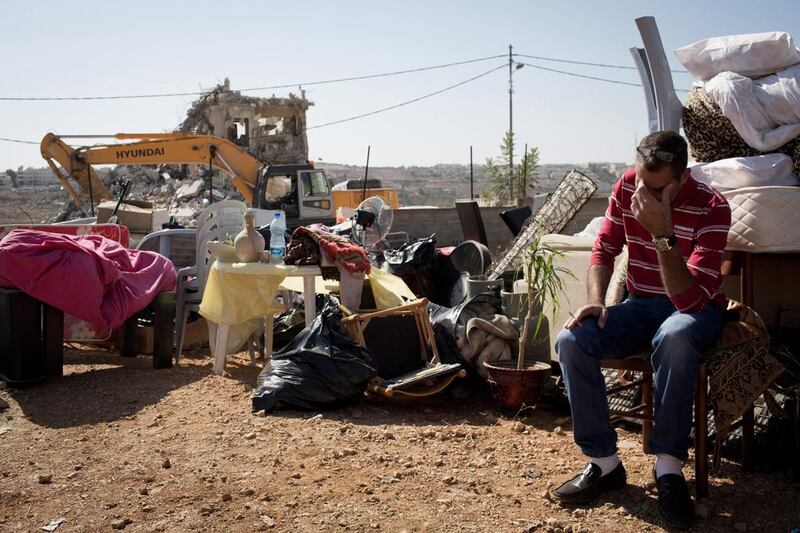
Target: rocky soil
x=31 y=206
x=116 y=445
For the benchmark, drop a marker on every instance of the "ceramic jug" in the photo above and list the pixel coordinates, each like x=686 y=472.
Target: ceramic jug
x=249 y=243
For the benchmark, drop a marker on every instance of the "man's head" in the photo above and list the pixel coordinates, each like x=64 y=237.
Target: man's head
x=661 y=158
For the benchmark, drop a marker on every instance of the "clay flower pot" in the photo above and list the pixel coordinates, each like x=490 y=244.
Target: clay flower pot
x=513 y=388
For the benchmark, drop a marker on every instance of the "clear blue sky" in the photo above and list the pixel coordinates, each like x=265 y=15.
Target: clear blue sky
x=83 y=48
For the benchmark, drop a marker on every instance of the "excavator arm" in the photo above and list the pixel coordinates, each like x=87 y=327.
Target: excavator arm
x=66 y=162
x=147 y=149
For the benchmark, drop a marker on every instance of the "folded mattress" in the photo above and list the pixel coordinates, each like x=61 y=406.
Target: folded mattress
x=764 y=219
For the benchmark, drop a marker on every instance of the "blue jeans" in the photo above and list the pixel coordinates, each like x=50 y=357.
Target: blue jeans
x=678 y=341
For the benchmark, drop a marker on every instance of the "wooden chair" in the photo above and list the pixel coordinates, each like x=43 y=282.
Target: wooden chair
x=640 y=363
x=404 y=351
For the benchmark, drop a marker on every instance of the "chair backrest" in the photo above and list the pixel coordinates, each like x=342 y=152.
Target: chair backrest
x=216 y=223
x=220 y=210
x=401 y=338
x=658 y=76
x=178 y=245
x=469 y=214
x=515 y=218
x=395 y=345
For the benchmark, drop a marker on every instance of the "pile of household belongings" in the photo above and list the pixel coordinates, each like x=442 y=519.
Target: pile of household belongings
x=742 y=121
x=329 y=363
x=480 y=331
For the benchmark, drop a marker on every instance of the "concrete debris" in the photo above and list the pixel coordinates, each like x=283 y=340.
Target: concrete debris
x=189 y=190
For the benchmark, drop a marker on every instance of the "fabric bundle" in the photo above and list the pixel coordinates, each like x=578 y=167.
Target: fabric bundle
x=88 y=276
x=712 y=136
x=748 y=100
x=307 y=244
x=338 y=258
x=486 y=340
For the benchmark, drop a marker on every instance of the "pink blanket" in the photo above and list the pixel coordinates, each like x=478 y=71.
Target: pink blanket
x=94 y=278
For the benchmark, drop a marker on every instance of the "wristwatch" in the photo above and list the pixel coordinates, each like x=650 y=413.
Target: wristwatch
x=665 y=244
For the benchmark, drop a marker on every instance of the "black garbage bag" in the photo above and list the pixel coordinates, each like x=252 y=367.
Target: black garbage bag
x=321 y=368
x=286 y=327
x=415 y=263
x=448 y=317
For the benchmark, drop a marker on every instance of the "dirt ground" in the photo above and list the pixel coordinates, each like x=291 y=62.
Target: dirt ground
x=115 y=444
x=28 y=206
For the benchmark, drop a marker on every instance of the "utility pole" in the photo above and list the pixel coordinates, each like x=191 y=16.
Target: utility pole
x=471 y=182
x=511 y=124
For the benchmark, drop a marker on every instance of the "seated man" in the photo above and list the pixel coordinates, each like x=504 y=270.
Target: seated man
x=676 y=230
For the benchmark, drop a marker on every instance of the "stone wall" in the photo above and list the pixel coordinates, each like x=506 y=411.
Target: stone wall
x=422 y=221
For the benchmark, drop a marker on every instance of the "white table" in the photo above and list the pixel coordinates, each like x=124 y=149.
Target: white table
x=234 y=294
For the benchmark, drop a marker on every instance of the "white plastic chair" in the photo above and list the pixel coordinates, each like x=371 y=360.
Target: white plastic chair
x=664 y=108
x=215 y=223
x=178 y=245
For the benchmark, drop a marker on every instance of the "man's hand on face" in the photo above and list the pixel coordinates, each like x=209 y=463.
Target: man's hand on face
x=586 y=311
x=652 y=214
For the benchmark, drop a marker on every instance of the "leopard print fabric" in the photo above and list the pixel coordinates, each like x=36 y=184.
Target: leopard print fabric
x=712 y=137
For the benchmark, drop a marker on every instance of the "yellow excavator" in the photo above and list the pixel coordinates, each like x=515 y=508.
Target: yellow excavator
x=300 y=190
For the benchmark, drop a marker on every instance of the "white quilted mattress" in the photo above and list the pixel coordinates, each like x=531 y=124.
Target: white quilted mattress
x=764 y=219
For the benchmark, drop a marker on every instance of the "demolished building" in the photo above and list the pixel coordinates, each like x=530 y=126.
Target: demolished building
x=271 y=129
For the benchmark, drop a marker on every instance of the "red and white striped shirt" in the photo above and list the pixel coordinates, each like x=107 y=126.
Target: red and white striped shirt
x=701 y=219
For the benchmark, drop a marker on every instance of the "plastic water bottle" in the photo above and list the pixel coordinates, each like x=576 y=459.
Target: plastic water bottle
x=277 y=243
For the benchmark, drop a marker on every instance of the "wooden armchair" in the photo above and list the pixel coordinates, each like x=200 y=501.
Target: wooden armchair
x=404 y=351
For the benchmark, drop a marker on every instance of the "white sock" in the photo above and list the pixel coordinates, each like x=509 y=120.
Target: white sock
x=668 y=464
x=606 y=464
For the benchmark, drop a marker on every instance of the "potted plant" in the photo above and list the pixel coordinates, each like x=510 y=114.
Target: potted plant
x=517 y=384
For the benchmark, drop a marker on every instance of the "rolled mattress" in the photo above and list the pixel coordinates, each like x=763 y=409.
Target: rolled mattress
x=764 y=219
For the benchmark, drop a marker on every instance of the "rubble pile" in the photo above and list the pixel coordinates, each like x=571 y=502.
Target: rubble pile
x=273 y=129
x=181 y=189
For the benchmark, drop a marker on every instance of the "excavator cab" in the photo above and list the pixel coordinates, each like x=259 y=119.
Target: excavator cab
x=301 y=191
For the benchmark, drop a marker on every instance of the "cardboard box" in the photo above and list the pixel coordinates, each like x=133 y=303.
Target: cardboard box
x=138 y=216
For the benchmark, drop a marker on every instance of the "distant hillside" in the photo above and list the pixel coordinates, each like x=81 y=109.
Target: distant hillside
x=442 y=184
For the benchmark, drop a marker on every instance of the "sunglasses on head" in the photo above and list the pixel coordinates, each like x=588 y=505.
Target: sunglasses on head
x=661 y=155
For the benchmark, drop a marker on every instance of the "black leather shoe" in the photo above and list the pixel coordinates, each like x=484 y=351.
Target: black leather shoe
x=674 y=502
x=588 y=485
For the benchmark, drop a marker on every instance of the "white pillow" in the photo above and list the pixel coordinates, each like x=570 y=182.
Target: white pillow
x=753 y=55
x=737 y=172
x=592 y=228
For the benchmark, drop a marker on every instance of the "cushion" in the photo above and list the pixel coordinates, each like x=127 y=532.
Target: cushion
x=753 y=55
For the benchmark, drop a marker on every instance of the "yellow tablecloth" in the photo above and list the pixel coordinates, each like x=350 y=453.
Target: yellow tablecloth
x=238 y=292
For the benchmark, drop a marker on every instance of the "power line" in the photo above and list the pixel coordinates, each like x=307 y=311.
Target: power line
x=355 y=78
x=573 y=62
x=429 y=95
x=401 y=104
x=17 y=141
x=596 y=78
x=582 y=75
x=362 y=115
x=249 y=89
